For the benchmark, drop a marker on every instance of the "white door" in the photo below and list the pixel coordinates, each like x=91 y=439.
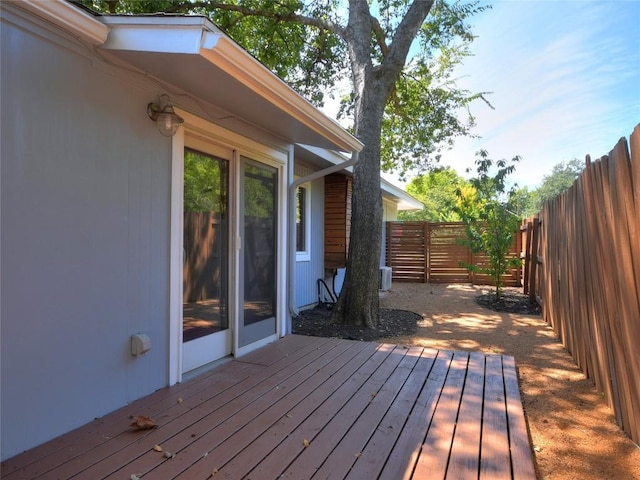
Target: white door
x=206 y=332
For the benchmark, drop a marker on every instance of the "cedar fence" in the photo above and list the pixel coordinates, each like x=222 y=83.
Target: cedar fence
x=434 y=252
x=583 y=266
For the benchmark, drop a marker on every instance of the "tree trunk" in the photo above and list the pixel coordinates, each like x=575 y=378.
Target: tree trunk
x=358 y=302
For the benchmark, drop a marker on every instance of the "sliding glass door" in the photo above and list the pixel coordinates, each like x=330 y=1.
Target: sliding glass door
x=258 y=261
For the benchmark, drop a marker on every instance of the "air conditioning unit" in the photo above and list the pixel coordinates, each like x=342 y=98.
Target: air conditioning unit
x=384 y=282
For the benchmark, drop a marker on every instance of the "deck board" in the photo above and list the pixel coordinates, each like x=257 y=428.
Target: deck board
x=307 y=407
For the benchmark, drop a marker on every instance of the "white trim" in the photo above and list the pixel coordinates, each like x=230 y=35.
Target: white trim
x=210 y=138
x=198 y=353
x=253 y=346
x=69 y=18
x=176 y=257
x=235 y=302
x=200 y=128
x=305 y=255
x=283 y=259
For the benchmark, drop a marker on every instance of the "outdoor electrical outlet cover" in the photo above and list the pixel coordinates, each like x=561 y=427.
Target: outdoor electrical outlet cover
x=140 y=344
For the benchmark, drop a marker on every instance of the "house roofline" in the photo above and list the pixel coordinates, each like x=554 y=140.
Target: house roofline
x=69 y=18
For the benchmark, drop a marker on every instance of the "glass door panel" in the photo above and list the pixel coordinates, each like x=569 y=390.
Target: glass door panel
x=259 y=259
x=205 y=259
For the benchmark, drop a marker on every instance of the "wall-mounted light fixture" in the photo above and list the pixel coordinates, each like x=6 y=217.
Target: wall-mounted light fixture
x=165 y=117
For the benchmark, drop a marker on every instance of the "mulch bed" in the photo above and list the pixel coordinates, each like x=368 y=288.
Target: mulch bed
x=512 y=300
x=317 y=322
x=396 y=323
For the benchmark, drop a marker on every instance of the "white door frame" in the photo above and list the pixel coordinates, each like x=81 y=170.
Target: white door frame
x=200 y=129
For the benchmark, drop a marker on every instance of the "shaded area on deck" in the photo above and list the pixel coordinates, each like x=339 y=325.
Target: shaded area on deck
x=309 y=407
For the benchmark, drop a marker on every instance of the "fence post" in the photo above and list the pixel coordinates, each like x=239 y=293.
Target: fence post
x=534 y=258
x=527 y=254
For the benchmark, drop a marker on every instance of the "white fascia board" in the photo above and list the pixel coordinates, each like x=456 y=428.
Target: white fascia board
x=69 y=18
x=198 y=36
x=156 y=33
x=403 y=200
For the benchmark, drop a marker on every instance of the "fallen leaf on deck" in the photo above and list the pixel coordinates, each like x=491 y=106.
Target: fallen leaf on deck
x=179 y=400
x=306 y=443
x=157 y=448
x=140 y=422
x=358 y=454
x=134 y=477
x=215 y=472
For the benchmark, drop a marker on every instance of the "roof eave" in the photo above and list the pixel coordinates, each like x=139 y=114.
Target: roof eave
x=198 y=36
x=70 y=18
x=403 y=200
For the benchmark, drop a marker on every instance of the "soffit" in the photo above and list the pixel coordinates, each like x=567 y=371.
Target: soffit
x=192 y=54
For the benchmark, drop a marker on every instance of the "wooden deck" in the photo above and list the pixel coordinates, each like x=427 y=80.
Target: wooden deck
x=307 y=407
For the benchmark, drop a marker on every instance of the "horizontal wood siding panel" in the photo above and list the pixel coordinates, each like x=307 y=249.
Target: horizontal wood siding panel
x=337 y=219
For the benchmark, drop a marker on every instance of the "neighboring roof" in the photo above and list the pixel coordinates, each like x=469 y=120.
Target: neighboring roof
x=195 y=56
x=403 y=200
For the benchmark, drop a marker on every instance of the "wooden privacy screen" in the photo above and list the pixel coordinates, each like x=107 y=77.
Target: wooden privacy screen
x=337 y=220
x=434 y=252
x=589 y=275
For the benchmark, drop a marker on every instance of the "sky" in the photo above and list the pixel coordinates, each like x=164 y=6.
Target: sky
x=564 y=78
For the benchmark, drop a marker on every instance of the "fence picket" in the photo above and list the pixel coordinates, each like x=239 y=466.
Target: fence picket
x=589 y=285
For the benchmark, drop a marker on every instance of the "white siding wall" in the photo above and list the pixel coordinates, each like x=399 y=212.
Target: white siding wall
x=389 y=214
x=308 y=272
x=85 y=223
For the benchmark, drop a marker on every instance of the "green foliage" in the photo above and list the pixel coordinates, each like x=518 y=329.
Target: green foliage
x=427 y=111
x=560 y=179
x=522 y=202
x=490 y=225
x=437 y=190
x=205 y=183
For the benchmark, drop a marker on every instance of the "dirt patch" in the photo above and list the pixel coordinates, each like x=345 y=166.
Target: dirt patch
x=573 y=432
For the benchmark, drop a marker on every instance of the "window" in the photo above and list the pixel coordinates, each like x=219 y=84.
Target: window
x=303 y=223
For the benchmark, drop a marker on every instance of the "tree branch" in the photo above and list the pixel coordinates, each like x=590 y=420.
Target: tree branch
x=380 y=36
x=322 y=24
x=406 y=33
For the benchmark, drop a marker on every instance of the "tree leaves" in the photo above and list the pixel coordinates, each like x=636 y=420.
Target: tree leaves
x=490 y=225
